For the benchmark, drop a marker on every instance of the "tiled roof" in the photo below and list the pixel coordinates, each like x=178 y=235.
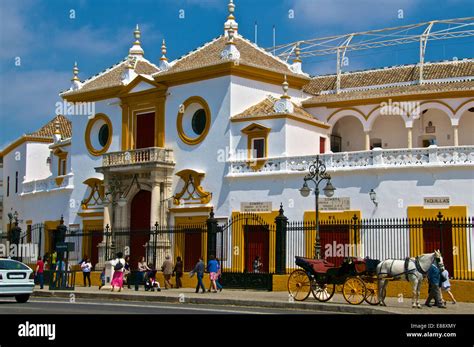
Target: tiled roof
x=47 y=130
x=112 y=76
x=392 y=75
x=392 y=92
x=265 y=109
x=210 y=54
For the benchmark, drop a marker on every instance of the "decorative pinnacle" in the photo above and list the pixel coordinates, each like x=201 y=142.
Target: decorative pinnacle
x=137 y=34
x=297 y=53
x=163 y=51
x=285 y=89
x=75 y=72
x=56 y=127
x=231 y=7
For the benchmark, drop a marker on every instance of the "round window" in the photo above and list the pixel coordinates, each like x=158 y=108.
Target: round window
x=104 y=135
x=98 y=134
x=199 y=121
x=194 y=120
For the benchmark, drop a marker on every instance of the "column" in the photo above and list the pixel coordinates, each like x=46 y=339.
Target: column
x=410 y=138
x=367 y=141
x=456 y=136
x=155 y=203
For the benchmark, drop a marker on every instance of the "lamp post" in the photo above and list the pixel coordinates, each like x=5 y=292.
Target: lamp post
x=317 y=174
x=115 y=197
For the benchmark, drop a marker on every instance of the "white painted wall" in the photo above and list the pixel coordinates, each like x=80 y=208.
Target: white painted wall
x=82 y=162
x=303 y=139
x=442 y=124
x=36 y=166
x=466 y=129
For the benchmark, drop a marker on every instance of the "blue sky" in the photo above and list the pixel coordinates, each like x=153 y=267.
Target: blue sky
x=45 y=40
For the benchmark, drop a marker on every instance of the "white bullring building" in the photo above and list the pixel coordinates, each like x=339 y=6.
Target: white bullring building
x=231 y=127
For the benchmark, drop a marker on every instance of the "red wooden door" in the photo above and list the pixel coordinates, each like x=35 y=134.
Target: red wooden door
x=322 y=145
x=192 y=249
x=442 y=239
x=334 y=241
x=256 y=245
x=139 y=225
x=145 y=130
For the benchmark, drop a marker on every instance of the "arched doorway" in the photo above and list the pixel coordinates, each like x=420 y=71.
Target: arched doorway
x=347 y=135
x=433 y=127
x=388 y=131
x=139 y=225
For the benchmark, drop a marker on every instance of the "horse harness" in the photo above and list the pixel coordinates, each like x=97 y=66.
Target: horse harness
x=407 y=272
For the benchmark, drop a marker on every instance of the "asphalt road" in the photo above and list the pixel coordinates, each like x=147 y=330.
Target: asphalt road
x=84 y=306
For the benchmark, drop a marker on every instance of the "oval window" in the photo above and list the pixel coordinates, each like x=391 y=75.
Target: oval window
x=104 y=135
x=199 y=121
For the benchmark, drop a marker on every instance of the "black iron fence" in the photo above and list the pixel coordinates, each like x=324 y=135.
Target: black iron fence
x=251 y=249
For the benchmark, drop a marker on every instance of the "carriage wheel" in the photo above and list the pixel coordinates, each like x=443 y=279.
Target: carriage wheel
x=354 y=290
x=371 y=293
x=323 y=292
x=299 y=285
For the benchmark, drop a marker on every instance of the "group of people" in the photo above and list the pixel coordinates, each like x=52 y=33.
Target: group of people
x=438 y=282
x=52 y=263
x=146 y=273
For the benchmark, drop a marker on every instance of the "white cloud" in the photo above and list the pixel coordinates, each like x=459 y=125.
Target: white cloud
x=349 y=13
x=28 y=100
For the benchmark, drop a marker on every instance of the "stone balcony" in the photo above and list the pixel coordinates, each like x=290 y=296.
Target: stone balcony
x=52 y=183
x=137 y=158
x=377 y=158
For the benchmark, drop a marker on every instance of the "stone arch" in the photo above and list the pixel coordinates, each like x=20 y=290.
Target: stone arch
x=383 y=110
x=347 y=134
x=334 y=117
x=464 y=120
x=461 y=110
x=433 y=124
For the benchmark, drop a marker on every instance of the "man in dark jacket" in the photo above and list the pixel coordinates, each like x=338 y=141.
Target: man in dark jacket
x=434 y=280
x=199 y=271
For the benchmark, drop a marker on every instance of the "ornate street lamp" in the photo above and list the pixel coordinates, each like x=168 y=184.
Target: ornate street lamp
x=317 y=174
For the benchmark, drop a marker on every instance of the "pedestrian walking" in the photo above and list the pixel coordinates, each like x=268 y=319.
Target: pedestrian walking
x=102 y=279
x=178 y=272
x=446 y=285
x=212 y=268
x=126 y=271
x=257 y=265
x=434 y=280
x=219 y=275
x=117 y=279
x=86 y=267
x=143 y=268
x=39 y=272
x=199 y=271
x=167 y=268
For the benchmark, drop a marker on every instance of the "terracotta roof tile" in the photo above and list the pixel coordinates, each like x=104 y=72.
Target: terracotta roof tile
x=392 y=75
x=392 y=91
x=210 y=54
x=47 y=130
x=265 y=109
x=112 y=76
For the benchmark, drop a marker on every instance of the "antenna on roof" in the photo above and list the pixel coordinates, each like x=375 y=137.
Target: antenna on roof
x=256 y=26
x=274 y=38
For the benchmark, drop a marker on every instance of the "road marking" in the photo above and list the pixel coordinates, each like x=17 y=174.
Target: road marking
x=149 y=306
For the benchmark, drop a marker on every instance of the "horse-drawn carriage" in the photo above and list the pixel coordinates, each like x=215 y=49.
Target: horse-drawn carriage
x=357 y=277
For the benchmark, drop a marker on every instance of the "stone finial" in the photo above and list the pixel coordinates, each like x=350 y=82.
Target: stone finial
x=136 y=49
x=230 y=19
x=297 y=62
x=230 y=51
x=284 y=104
x=76 y=82
x=164 y=64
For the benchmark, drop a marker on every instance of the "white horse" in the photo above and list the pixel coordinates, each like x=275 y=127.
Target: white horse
x=411 y=269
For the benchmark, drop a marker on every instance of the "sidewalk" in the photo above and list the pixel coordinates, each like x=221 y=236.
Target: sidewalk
x=237 y=297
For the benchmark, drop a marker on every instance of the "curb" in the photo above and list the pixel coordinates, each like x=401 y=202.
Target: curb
x=328 y=307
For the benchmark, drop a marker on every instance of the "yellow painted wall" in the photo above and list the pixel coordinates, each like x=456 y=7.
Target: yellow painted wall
x=238 y=241
x=460 y=247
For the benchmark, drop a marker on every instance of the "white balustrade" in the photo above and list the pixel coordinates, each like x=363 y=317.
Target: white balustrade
x=48 y=184
x=138 y=156
x=376 y=158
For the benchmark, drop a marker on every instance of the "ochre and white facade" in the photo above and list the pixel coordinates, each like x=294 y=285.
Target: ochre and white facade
x=229 y=124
